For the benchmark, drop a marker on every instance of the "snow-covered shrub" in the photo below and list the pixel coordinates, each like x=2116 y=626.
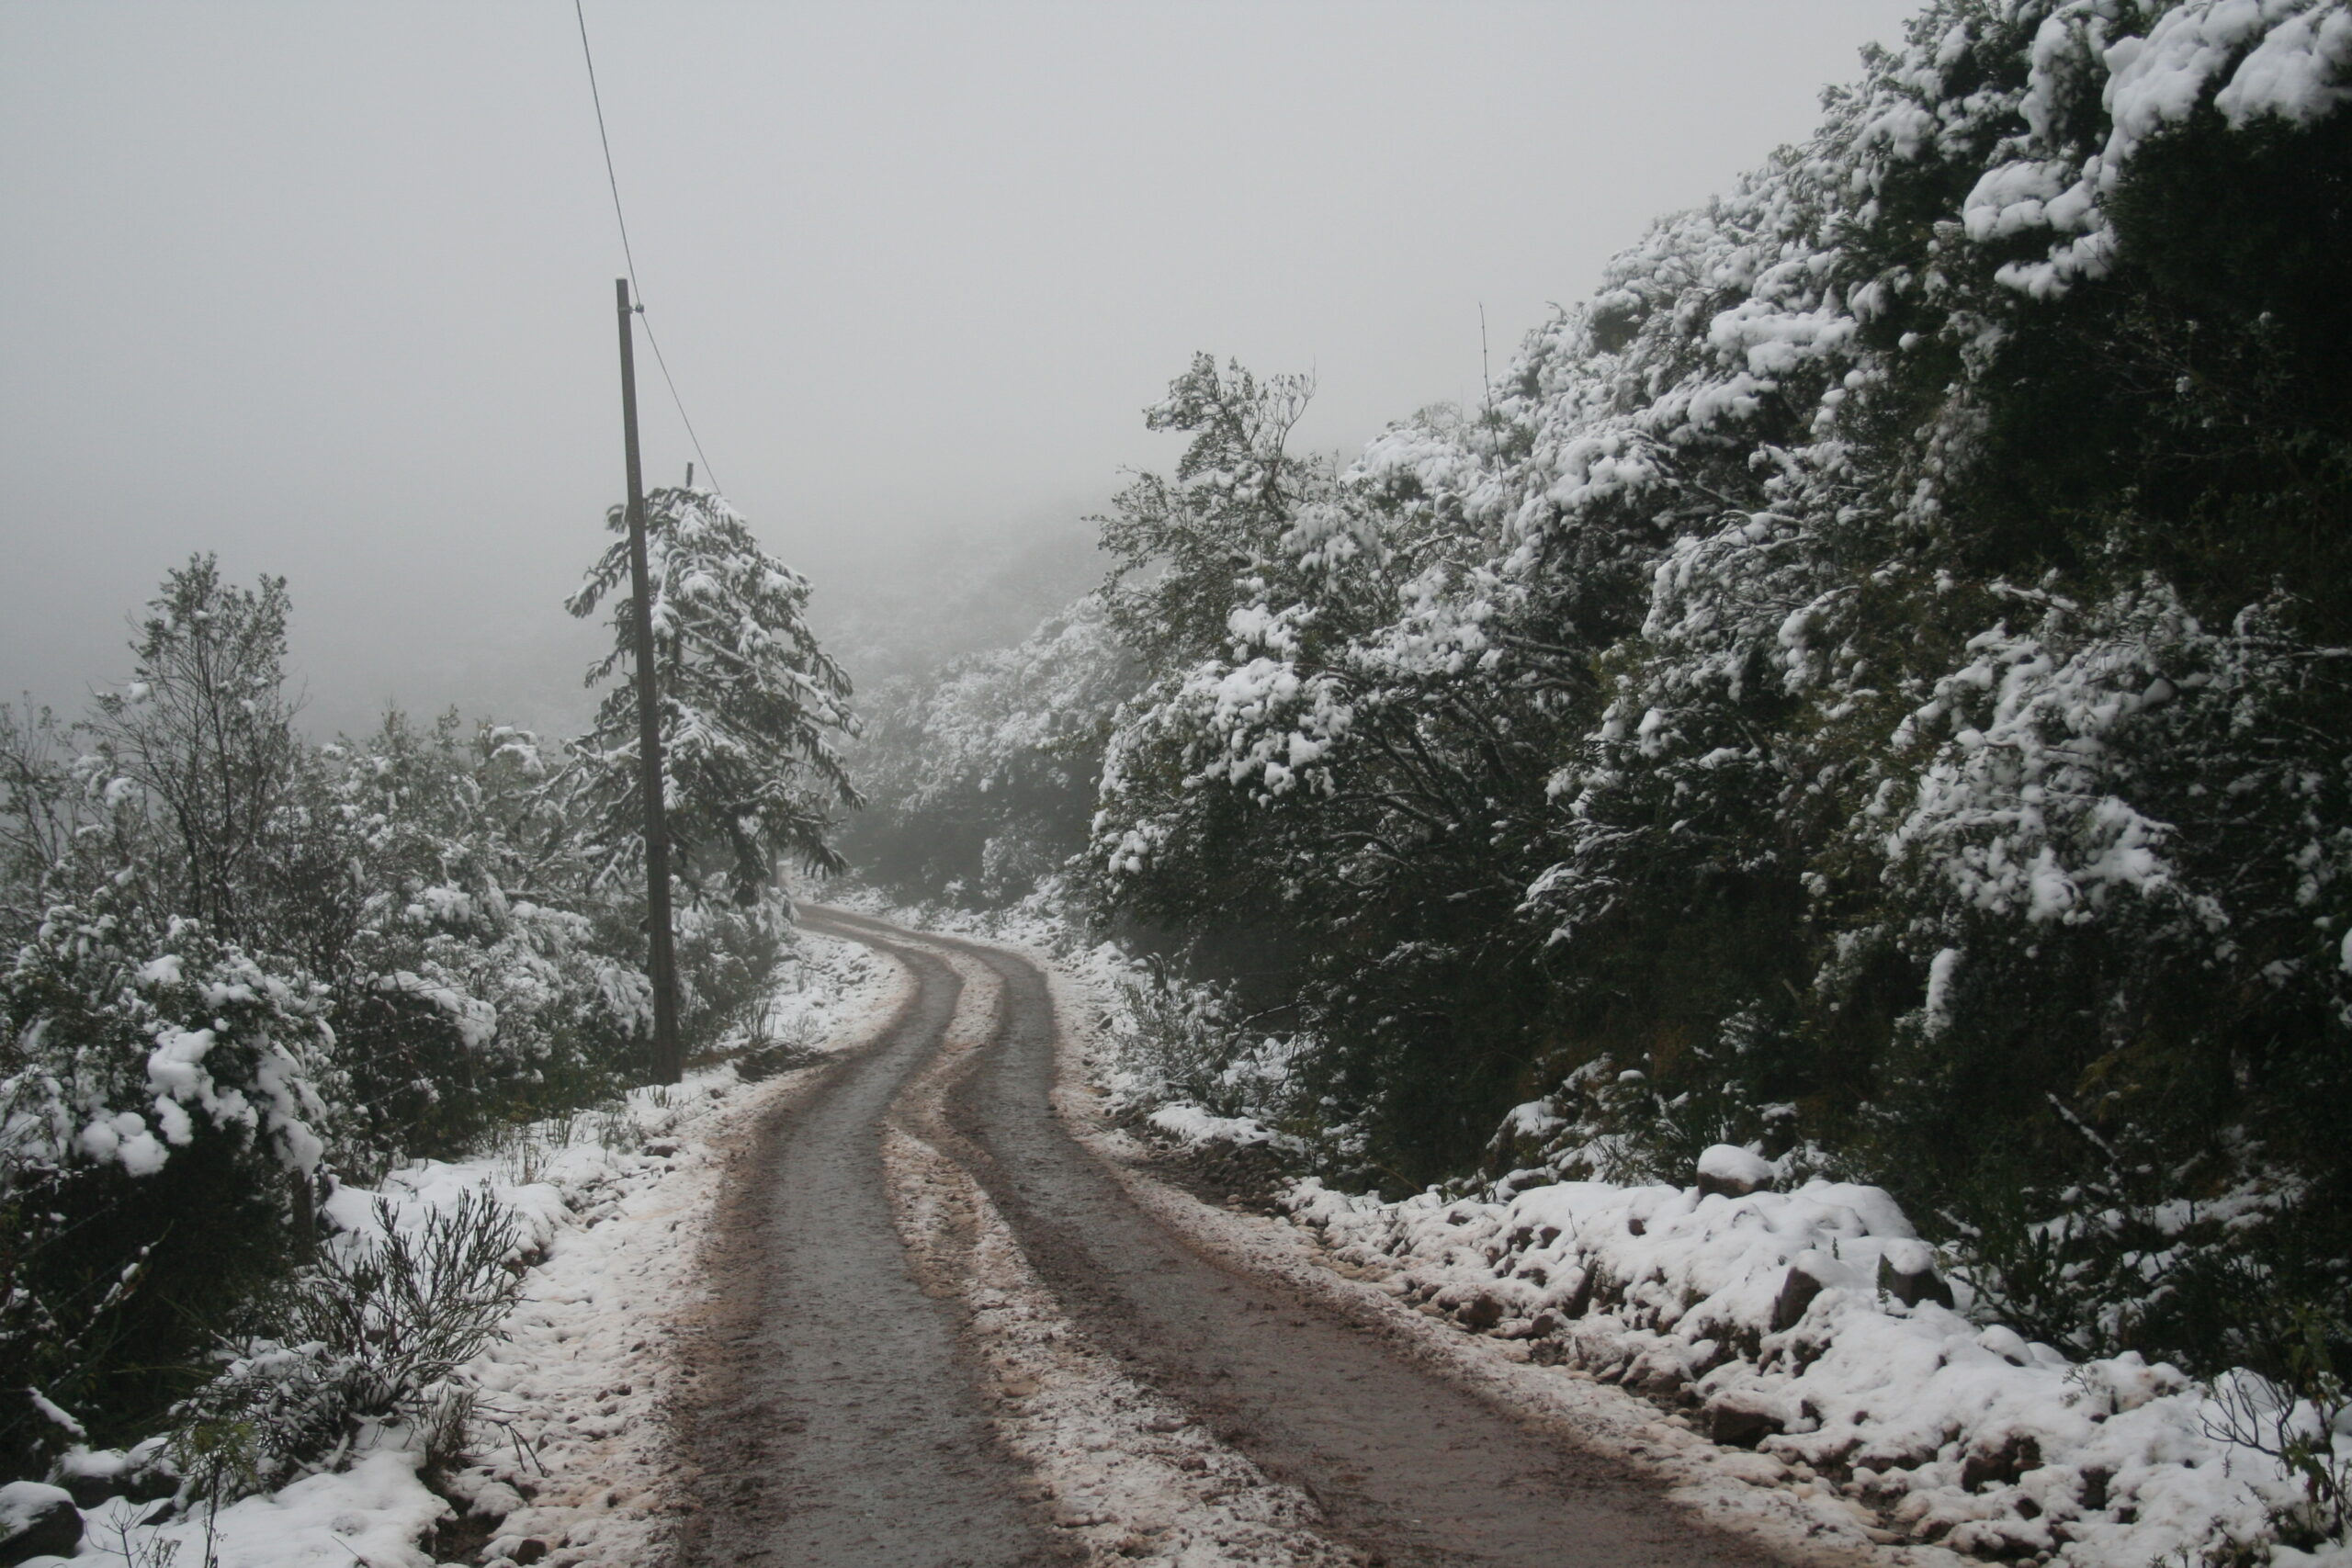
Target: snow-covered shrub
x=406 y=941
x=1607 y=1123
x=1190 y=1041
x=2299 y=1417
x=476 y=975
x=368 y=1344
x=1900 y=620
x=2103 y=816
x=729 y=957
x=484 y=969
x=167 y=1098
x=1308 y=798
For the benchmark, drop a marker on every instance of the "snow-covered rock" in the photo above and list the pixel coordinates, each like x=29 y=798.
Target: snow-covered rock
x=1733 y=1171
x=37 y=1521
x=1813 y=1324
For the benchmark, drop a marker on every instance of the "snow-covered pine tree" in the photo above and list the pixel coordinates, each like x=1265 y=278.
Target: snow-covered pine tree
x=750 y=704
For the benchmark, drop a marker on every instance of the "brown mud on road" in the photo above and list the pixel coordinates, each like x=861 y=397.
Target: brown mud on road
x=831 y=1421
x=1407 y=1466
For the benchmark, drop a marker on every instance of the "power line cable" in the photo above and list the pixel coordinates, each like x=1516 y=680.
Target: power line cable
x=709 y=474
x=612 y=181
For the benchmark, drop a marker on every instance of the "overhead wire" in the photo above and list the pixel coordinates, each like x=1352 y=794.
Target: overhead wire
x=612 y=181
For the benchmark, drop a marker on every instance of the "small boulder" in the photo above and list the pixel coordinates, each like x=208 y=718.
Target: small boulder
x=2000 y=1464
x=37 y=1521
x=1732 y=1171
x=1797 y=1292
x=1740 y=1420
x=143 y=1474
x=1480 y=1313
x=1657 y=1376
x=482 y=1494
x=1906 y=1270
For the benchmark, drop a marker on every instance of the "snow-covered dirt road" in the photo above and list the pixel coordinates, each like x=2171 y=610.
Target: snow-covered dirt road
x=962 y=1340
x=834 y=1421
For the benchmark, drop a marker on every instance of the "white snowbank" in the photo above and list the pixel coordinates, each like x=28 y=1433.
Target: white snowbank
x=1781 y=1316
x=1191 y=1124
x=374 y=1513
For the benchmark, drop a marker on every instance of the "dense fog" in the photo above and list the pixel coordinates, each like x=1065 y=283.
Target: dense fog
x=329 y=292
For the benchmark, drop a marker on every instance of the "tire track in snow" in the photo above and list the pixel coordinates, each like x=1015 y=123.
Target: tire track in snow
x=1406 y=1466
x=835 y=1423
x=1129 y=1475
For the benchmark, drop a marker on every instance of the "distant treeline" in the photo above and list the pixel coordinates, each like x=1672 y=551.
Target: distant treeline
x=1874 y=682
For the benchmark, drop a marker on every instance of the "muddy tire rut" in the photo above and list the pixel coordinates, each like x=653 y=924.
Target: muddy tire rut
x=833 y=1421
x=943 y=1333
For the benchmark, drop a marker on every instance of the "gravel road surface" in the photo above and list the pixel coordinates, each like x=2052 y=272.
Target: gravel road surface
x=1408 y=1467
x=836 y=1425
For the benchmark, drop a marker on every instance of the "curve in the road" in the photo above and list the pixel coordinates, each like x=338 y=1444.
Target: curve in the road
x=838 y=1428
x=1408 y=1466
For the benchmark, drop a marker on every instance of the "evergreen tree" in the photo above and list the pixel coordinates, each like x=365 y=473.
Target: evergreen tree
x=750 y=705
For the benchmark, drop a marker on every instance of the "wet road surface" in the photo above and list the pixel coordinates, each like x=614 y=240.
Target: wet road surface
x=1408 y=1467
x=837 y=1425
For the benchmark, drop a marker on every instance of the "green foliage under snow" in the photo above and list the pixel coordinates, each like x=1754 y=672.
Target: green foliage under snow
x=1873 y=683
x=242 y=969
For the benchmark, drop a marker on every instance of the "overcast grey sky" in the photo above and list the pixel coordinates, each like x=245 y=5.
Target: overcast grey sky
x=327 y=287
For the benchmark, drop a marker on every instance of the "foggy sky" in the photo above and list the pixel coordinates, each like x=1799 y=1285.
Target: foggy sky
x=328 y=288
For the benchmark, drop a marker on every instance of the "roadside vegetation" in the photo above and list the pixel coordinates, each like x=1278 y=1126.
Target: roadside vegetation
x=247 y=972
x=1872 y=686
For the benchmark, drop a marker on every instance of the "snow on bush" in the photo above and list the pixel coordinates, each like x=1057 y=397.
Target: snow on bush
x=2289 y=61
x=123 y=1054
x=164 y=1075
x=1872 y=627
x=373 y=1339
x=459 y=1294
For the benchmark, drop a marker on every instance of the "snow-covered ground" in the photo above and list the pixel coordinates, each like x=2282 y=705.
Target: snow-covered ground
x=1794 y=1346
x=1780 y=1320
x=574 y=1463
x=1128 y=1473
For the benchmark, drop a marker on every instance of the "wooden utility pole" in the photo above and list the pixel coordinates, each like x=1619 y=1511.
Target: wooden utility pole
x=668 y=1061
